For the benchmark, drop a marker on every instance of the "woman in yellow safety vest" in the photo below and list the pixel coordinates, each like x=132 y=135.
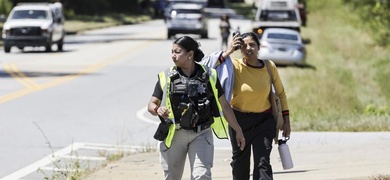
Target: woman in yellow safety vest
x=190 y=103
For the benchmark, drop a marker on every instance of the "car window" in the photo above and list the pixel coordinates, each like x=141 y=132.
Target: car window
x=278 y=15
x=186 y=11
x=30 y=14
x=282 y=36
x=280 y=4
x=56 y=13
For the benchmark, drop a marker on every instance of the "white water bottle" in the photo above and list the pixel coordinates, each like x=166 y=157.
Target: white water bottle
x=285 y=155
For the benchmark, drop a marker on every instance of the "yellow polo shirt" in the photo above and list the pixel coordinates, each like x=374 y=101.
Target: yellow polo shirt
x=252 y=87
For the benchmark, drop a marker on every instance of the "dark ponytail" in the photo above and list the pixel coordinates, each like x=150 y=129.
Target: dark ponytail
x=190 y=44
x=198 y=55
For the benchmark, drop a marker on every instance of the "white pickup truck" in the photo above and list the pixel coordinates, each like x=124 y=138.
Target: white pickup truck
x=276 y=14
x=34 y=24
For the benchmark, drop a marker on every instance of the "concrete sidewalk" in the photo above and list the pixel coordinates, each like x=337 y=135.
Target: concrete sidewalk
x=316 y=156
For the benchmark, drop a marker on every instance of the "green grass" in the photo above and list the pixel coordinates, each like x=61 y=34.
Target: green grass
x=82 y=23
x=349 y=89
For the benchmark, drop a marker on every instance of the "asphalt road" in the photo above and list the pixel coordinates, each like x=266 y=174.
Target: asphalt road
x=90 y=96
x=91 y=99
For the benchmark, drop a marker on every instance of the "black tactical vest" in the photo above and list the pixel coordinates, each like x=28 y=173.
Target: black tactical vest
x=190 y=97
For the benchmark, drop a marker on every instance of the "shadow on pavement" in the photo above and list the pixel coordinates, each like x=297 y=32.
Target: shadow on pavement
x=308 y=66
x=289 y=172
x=32 y=74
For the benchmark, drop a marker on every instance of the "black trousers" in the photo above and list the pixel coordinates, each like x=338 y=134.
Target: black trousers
x=259 y=130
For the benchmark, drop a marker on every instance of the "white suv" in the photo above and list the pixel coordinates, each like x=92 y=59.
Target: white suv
x=34 y=24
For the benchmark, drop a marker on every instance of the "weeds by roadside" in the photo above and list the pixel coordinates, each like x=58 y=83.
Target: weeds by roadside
x=65 y=171
x=74 y=167
x=71 y=171
x=380 y=177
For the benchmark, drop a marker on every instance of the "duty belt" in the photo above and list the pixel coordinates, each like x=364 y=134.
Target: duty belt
x=196 y=129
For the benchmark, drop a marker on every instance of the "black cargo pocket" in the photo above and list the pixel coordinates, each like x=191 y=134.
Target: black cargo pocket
x=162 y=131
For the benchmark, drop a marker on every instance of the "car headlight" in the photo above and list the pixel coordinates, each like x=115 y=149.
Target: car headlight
x=45 y=32
x=301 y=49
x=5 y=33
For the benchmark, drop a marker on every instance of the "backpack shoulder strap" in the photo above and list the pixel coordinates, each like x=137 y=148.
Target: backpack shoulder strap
x=268 y=66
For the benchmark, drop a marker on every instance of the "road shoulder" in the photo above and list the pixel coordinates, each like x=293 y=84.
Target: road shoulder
x=325 y=155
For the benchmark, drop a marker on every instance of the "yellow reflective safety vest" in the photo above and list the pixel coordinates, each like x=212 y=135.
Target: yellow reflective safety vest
x=220 y=125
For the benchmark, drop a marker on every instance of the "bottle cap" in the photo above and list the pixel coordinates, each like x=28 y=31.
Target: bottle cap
x=281 y=141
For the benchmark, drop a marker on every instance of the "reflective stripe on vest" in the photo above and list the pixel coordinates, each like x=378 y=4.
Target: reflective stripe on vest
x=220 y=125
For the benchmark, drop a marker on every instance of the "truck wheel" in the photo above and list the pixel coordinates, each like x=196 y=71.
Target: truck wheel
x=170 y=34
x=7 y=48
x=204 y=35
x=48 y=47
x=60 y=45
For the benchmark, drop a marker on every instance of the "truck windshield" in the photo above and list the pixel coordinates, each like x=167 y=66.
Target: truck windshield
x=30 y=14
x=278 y=15
x=282 y=36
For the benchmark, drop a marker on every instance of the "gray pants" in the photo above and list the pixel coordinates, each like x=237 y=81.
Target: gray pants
x=200 y=149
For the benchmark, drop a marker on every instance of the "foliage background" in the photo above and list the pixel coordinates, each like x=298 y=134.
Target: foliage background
x=348 y=88
x=374 y=17
x=91 y=7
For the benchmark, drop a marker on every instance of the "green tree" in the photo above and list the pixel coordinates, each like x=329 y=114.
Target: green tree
x=5 y=7
x=100 y=7
x=125 y=6
x=375 y=15
x=15 y=2
x=92 y=7
x=87 y=7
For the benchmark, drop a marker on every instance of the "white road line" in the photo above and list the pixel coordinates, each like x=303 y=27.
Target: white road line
x=111 y=149
x=89 y=158
x=66 y=153
x=86 y=145
x=59 y=169
x=43 y=162
x=140 y=115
